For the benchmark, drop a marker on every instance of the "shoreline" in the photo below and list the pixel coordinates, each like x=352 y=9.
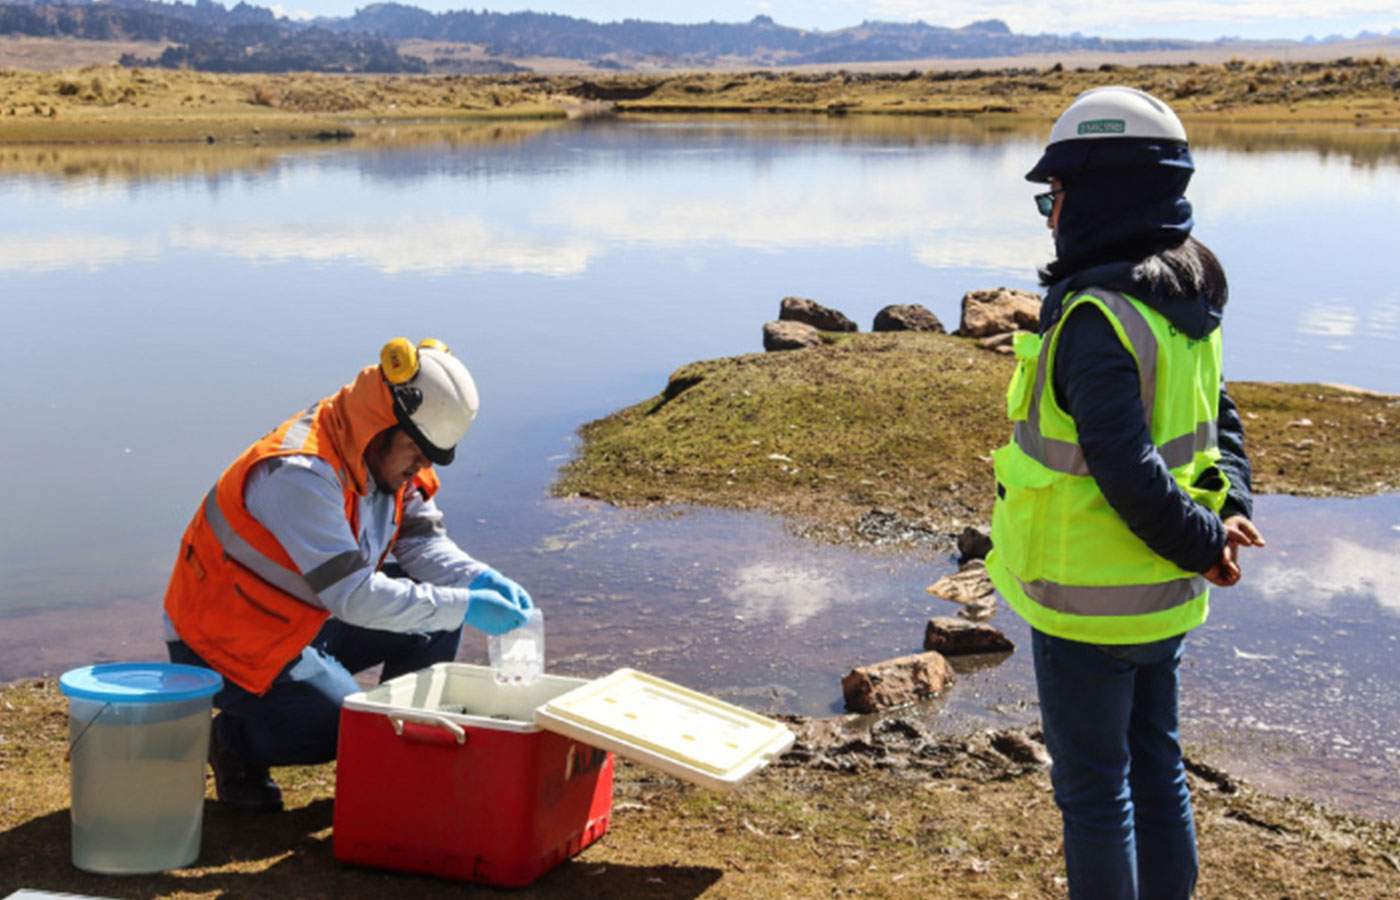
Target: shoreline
x=888 y=814
x=108 y=103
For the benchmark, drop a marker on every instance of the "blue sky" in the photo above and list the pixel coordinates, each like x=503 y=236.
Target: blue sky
x=1194 y=19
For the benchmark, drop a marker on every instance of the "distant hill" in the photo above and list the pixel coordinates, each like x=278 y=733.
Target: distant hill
x=208 y=35
x=760 y=40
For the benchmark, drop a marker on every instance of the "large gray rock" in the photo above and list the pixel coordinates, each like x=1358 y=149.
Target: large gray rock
x=789 y=336
x=957 y=637
x=999 y=310
x=800 y=309
x=896 y=682
x=971 y=587
x=907 y=317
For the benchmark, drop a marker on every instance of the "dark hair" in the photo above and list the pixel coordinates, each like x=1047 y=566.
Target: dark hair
x=1189 y=268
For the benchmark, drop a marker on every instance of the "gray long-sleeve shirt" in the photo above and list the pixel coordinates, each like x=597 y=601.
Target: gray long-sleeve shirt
x=299 y=500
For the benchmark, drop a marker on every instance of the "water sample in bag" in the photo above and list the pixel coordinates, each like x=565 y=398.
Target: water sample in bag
x=517 y=657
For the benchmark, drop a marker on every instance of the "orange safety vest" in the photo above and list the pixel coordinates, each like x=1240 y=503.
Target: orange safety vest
x=235 y=596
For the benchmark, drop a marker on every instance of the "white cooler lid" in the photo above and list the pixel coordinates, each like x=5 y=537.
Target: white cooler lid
x=667 y=727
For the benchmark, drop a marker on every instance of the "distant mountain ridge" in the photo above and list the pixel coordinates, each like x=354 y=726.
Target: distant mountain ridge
x=760 y=40
x=246 y=37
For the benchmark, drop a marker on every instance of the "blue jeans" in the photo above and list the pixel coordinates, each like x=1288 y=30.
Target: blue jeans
x=1110 y=719
x=297 y=722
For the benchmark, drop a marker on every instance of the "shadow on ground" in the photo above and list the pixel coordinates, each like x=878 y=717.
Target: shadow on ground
x=289 y=856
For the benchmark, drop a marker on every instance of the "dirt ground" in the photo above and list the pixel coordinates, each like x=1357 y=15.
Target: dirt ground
x=887 y=812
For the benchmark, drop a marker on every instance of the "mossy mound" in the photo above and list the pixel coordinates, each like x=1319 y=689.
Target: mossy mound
x=906 y=423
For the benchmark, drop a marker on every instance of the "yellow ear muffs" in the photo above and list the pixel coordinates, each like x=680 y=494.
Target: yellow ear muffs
x=433 y=344
x=398 y=361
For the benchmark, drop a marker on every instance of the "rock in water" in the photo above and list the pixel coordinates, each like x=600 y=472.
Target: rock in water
x=896 y=682
x=996 y=311
x=956 y=637
x=800 y=309
x=906 y=317
x=971 y=587
x=973 y=543
x=789 y=336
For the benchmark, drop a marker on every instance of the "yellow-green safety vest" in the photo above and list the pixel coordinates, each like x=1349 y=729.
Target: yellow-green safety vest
x=1062 y=557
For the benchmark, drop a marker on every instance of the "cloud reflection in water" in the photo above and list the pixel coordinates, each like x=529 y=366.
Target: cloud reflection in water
x=72 y=250
x=433 y=246
x=1339 y=567
x=769 y=590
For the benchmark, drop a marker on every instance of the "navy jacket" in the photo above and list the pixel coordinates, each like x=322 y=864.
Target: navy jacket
x=1096 y=382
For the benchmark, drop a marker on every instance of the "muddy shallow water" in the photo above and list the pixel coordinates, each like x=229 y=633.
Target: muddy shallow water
x=170 y=314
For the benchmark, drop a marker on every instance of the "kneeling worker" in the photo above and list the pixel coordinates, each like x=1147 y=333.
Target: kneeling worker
x=278 y=584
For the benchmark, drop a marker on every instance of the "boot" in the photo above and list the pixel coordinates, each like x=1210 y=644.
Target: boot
x=238 y=786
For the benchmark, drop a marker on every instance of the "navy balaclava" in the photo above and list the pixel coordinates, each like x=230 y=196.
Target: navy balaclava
x=1124 y=200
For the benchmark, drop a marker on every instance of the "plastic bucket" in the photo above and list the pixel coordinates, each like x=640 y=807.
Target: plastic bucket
x=138 y=736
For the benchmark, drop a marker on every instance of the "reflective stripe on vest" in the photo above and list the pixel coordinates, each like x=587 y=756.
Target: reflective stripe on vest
x=245 y=554
x=1114 y=600
x=300 y=430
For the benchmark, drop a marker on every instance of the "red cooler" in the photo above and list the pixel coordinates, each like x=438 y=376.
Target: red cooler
x=444 y=772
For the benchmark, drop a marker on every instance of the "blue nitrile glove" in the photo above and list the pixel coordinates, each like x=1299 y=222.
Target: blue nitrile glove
x=488 y=611
x=495 y=581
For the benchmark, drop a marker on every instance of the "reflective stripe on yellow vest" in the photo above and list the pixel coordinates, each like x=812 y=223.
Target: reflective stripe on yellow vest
x=1062 y=557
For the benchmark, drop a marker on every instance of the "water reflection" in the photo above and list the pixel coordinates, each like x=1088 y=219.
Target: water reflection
x=787 y=593
x=1312 y=579
x=73 y=250
x=432 y=246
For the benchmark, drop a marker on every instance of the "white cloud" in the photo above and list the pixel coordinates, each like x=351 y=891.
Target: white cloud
x=433 y=246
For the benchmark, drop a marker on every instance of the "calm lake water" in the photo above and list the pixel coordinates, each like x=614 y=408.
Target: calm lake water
x=164 y=307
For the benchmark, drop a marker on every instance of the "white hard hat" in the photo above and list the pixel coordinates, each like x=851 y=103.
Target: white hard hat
x=435 y=398
x=1107 y=114
x=1113 y=112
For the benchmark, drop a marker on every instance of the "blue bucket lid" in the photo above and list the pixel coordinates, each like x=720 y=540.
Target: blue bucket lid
x=140 y=682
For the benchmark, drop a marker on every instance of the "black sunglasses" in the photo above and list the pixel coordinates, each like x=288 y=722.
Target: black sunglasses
x=1045 y=202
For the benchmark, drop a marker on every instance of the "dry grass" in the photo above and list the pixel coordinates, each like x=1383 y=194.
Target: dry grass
x=53 y=54
x=107 y=103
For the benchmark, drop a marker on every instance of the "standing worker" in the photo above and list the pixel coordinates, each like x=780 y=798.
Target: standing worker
x=279 y=587
x=1124 y=490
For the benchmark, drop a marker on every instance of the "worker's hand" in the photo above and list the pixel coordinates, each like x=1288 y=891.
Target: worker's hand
x=495 y=581
x=1239 y=532
x=488 y=611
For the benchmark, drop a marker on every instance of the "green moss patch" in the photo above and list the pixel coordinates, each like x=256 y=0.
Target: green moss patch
x=900 y=422
x=906 y=422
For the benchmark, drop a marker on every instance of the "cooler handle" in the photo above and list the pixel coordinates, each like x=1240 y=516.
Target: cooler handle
x=427 y=718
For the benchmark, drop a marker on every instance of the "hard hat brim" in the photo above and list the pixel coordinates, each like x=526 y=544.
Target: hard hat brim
x=436 y=455
x=1063 y=159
